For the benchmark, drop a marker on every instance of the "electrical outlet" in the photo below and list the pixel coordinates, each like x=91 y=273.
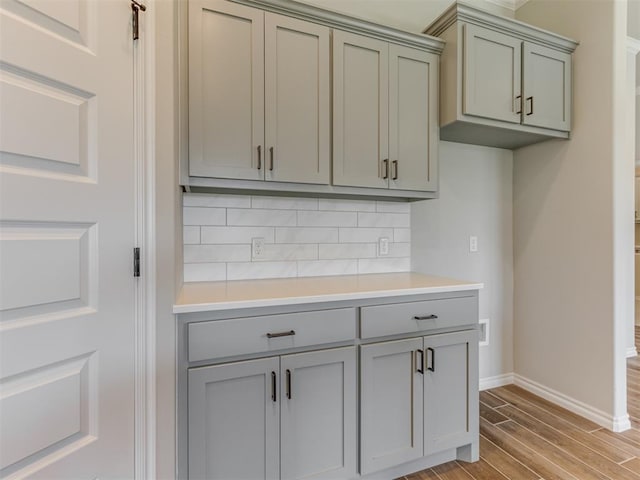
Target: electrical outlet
x=257 y=248
x=383 y=246
x=473 y=244
x=484 y=332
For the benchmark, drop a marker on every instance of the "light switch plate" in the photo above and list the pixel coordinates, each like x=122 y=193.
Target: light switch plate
x=383 y=246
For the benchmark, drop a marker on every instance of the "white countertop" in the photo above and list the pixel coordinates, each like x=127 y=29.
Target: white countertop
x=209 y=296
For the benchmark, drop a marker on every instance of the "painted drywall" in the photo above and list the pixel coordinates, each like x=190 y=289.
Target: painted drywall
x=569 y=197
x=475 y=199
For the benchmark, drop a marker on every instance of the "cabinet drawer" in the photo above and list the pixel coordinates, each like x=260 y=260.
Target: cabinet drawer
x=397 y=318
x=241 y=336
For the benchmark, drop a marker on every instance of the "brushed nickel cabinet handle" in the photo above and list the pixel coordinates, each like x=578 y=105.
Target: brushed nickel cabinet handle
x=281 y=334
x=425 y=317
x=259 y=157
x=394 y=164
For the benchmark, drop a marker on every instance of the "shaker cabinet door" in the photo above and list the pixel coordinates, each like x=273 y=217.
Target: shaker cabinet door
x=297 y=120
x=360 y=111
x=234 y=415
x=546 y=88
x=318 y=415
x=413 y=119
x=226 y=90
x=492 y=74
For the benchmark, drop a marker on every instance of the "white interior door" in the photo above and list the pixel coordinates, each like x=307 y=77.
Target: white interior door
x=66 y=238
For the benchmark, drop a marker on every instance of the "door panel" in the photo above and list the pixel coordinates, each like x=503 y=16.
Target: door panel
x=360 y=110
x=391 y=413
x=67 y=324
x=546 y=88
x=448 y=410
x=297 y=100
x=226 y=90
x=492 y=74
x=318 y=415
x=413 y=119
x=233 y=421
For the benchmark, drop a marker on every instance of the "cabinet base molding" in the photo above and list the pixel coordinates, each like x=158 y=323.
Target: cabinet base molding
x=618 y=423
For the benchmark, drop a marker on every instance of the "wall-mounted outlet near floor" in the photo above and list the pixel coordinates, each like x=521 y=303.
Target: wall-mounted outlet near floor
x=257 y=248
x=473 y=244
x=484 y=332
x=383 y=246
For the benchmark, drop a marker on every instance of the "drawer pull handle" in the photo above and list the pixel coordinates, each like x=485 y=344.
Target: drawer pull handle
x=420 y=363
x=425 y=317
x=288 y=384
x=281 y=334
x=432 y=368
x=273 y=387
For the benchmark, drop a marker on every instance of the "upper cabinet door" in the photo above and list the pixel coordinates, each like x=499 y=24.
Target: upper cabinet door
x=318 y=415
x=546 y=88
x=413 y=119
x=492 y=74
x=360 y=111
x=297 y=121
x=226 y=90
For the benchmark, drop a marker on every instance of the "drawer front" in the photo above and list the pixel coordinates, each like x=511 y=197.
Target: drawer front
x=241 y=336
x=398 y=318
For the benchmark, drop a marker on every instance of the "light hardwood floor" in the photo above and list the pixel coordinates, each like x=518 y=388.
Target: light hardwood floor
x=523 y=437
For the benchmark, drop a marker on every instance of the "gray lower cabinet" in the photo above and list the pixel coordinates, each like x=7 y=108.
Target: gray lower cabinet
x=290 y=417
x=417 y=398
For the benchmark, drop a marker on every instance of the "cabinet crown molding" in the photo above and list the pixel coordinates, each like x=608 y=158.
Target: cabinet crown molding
x=331 y=19
x=463 y=12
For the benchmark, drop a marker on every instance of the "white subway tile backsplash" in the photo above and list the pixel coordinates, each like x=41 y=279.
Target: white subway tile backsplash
x=216 y=253
x=260 y=217
x=306 y=235
x=383 y=265
x=234 y=235
x=327 y=219
x=397 y=220
x=258 y=270
x=364 y=235
x=334 y=205
x=203 y=216
x=211 y=200
x=320 y=268
x=346 y=250
x=205 y=272
x=191 y=235
x=303 y=237
x=284 y=203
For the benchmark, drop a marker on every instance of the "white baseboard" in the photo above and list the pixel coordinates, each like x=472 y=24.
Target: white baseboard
x=616 y=424
x=496 y=381
x=632 y=352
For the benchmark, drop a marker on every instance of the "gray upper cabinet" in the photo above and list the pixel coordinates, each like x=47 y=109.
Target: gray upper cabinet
x=258 y=95
x=504 y=83
x=264 y=111
x=385 y=121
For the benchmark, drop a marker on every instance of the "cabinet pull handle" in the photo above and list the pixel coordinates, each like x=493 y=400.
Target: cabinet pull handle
x=425 y=317
x=394 y=164
x=432 y=368
x=288 y=384
x=420 y=363
x=530 y=99
x=519 y=104
x=281 y=334
x=385 y=163
x=259 y=157
x=271 y=159
x=273 y=386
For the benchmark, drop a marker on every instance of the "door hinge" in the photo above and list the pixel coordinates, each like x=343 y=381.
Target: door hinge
x=136 y=262
x=135 y=10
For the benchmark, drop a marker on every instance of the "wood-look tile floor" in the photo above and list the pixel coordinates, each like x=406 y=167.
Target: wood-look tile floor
x=524 y=437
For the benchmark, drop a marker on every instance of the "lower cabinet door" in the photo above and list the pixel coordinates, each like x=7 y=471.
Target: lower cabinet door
x=450 y=380
x=234 y=415
x=391 y=405
x=318 y=415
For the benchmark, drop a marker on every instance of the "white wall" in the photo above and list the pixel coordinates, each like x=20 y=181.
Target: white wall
x=475 y=199
x=569 y=200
